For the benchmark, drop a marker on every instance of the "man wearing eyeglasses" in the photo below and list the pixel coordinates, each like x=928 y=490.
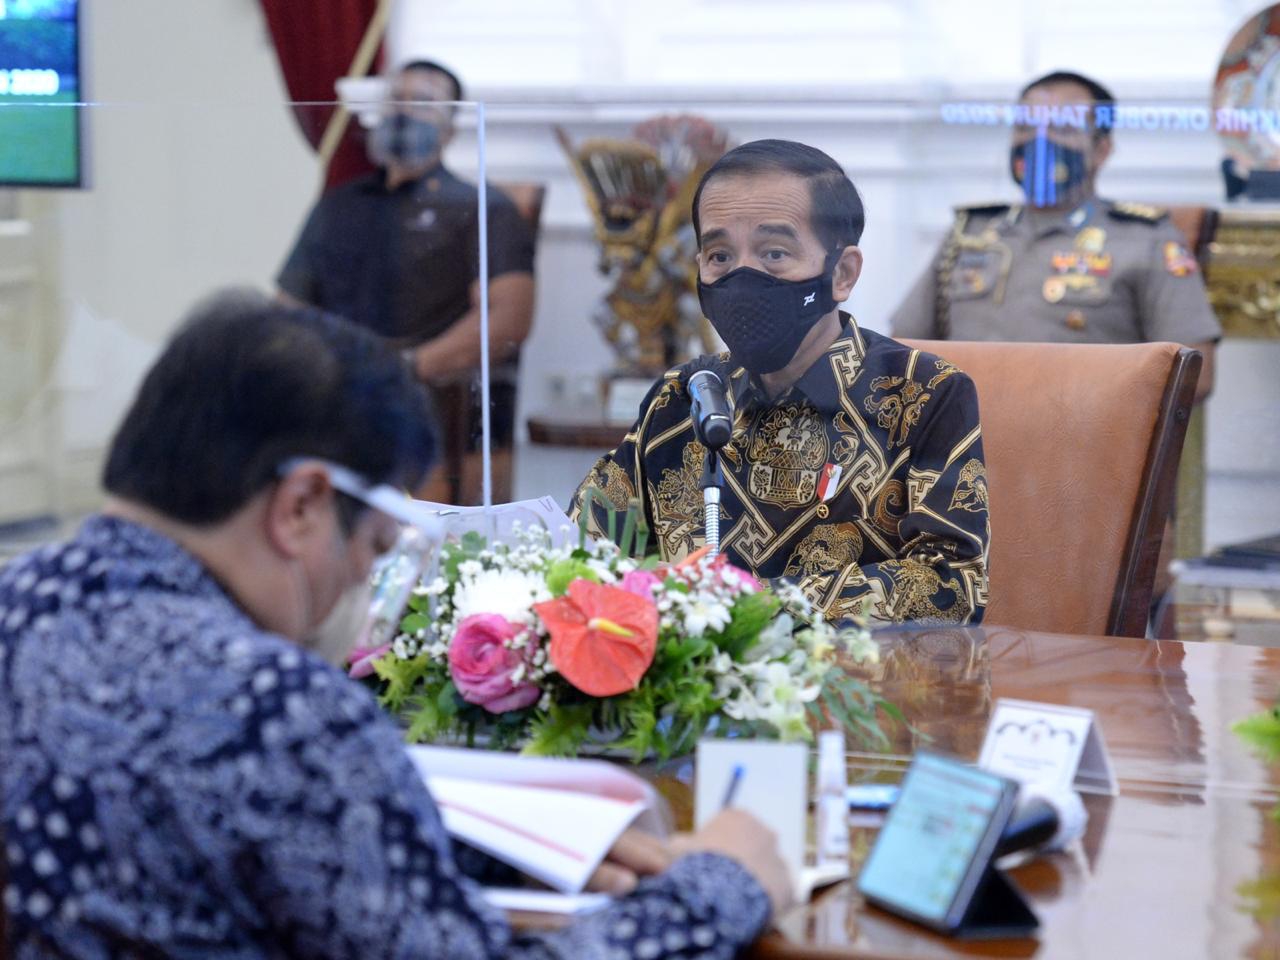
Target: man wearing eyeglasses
x=183 y=772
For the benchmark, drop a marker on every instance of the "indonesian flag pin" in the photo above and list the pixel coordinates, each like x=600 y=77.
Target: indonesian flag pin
x=830 y=480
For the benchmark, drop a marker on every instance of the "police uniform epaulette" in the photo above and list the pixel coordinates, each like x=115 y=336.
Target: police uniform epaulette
x=1143 y=212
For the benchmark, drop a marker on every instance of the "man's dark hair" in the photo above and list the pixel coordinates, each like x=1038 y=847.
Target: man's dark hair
x=836 y=213
x=438 y=68
x=1099 y=94
x=247 y=383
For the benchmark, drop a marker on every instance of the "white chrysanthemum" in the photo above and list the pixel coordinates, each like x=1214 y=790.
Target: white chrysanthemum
x=509 y=593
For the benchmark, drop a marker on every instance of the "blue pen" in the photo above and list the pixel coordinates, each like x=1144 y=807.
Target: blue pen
x=734 y=779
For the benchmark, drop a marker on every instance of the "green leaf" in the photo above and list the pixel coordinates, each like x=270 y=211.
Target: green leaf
x=1262 y=732
x=561 y=732
x=751 y=613
x=425 y=723
x=414 y=622
x=400 y=677
x=447 y=701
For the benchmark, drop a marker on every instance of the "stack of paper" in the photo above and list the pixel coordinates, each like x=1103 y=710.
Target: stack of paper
x=551 y=819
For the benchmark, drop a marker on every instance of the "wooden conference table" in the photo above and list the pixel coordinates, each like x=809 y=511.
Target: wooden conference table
x=1184 y=863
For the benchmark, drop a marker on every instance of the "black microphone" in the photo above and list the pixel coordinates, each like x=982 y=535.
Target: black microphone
x=711 y=421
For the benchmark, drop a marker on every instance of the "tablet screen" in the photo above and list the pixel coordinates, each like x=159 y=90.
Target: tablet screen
x=931 y=848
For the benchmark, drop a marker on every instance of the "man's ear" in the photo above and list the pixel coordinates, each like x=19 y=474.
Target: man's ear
x=298 y=509
x=847 y=270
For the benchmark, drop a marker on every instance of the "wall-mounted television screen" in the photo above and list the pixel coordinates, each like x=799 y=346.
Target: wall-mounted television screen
x=39 y=87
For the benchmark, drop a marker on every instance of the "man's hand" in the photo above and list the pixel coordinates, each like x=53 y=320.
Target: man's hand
x=740 y=836
x=635 y=854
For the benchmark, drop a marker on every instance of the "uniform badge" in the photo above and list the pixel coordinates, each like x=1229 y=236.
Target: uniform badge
x=1076 y=262
x=1091 y=239
x=1075 y=320
x=1178 y=260
x=1055 y=288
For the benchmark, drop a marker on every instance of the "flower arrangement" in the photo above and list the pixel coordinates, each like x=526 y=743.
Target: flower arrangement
x=557 y=649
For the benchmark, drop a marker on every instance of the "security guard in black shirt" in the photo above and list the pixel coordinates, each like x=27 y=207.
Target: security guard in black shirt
x=397 y=251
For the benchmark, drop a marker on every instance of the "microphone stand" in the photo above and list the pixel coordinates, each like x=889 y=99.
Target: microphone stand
x=711 y=480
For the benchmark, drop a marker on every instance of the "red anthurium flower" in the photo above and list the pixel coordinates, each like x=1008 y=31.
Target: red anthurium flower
x=602 y=637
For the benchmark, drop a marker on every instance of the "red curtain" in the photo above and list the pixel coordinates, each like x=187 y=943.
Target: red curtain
x=315 y=42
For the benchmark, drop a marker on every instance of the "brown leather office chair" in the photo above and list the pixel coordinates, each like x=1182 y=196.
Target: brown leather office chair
x=1198 y=226
x=1082 y=444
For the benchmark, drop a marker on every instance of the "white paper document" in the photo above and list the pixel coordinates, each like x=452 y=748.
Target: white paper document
x=552 y=835
x=552 y=819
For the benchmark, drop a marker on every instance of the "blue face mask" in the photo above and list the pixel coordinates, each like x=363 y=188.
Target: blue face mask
x=1050 y=174
x=408 y=141
x=762 y=319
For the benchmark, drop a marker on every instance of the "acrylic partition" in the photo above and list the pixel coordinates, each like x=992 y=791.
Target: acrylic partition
x=178 y=201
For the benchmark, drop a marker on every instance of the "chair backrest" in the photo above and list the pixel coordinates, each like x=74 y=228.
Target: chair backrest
x=1082 y=444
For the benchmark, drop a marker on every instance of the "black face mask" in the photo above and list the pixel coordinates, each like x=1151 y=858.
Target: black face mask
x=1049 y=174
x=762 y=319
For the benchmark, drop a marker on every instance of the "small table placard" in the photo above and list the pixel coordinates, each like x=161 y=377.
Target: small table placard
x=1057 y=747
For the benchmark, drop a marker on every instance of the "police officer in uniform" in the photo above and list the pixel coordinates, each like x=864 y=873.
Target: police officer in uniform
x=1063 y=264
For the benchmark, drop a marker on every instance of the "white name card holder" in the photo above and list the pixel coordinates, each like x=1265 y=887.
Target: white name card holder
x=1060 y=748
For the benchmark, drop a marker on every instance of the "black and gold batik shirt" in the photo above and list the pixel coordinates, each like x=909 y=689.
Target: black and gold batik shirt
x=864 y=482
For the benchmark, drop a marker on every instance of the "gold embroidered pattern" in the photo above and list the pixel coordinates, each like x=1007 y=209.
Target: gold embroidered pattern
x=677 y=503
x=945 y=369
x=915 y=584
x=614 y=483
x=971 y=488
x=889 y=507
x=788 y=448
x=899 y=409
x=828 y=547
x=845 y=448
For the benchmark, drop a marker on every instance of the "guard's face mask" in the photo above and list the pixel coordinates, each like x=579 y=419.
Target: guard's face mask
x=762 y=319
x=1050 y=174
x=407 y=140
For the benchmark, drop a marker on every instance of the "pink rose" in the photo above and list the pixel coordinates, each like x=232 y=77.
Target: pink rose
x=640 y=582
x=362 y=659
x=482 y=667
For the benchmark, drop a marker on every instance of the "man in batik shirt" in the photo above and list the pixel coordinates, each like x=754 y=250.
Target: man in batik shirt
x=184 y=775
x=855 y=463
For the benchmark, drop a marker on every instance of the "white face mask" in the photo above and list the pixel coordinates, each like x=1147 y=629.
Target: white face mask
x=359 y=618
x=339 y=632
